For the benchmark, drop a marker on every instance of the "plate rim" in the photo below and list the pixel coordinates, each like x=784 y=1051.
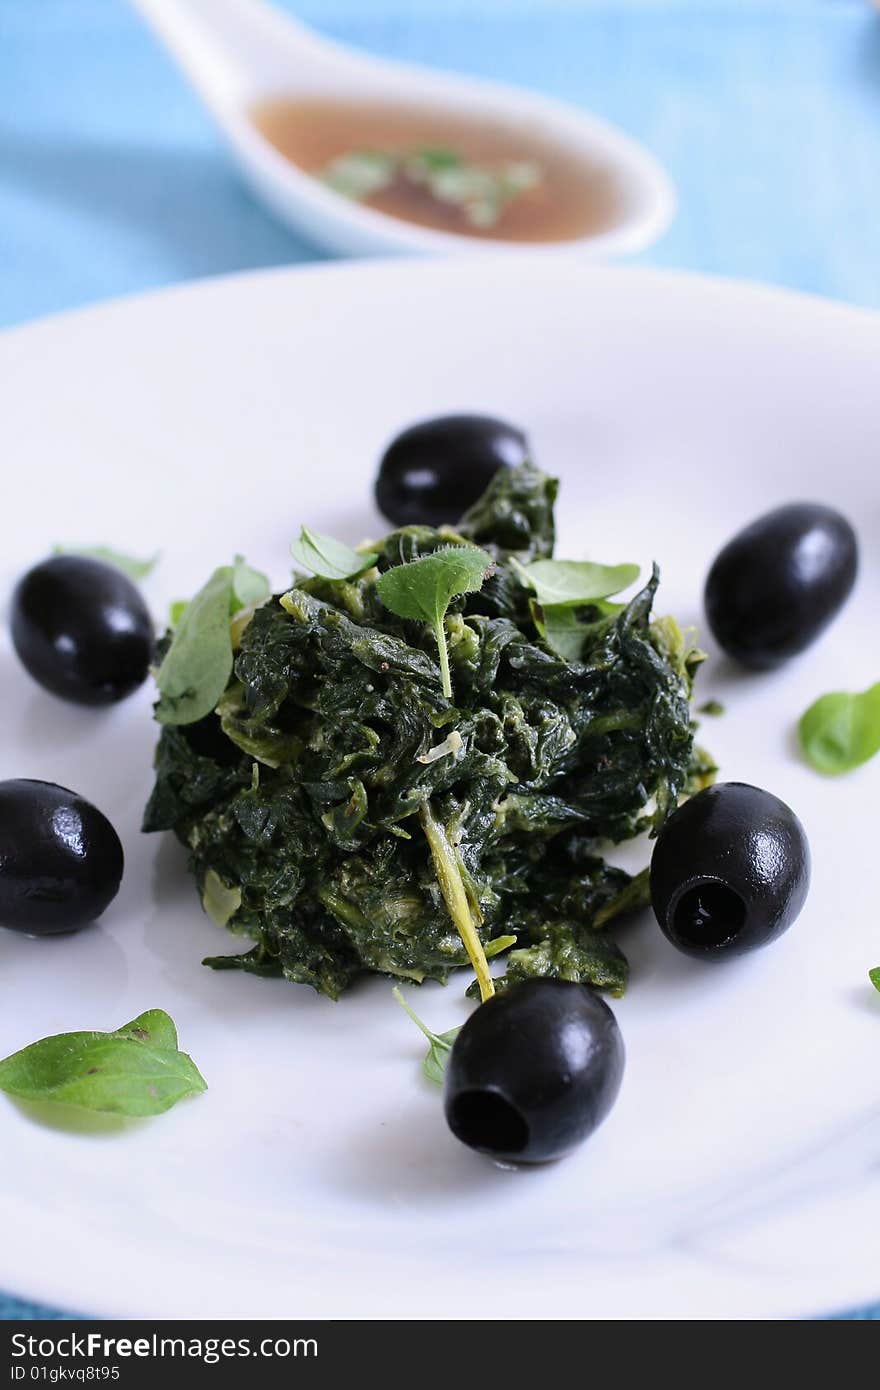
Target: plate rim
x=380 y=269
x=531 y=266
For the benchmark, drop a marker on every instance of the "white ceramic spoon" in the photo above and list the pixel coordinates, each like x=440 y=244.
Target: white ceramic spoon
x=238 y=54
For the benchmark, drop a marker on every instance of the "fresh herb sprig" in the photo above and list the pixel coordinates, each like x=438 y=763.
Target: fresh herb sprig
x=840 y=731
x=135 y=1071
x=439 y=1044
x=874 y=977
x=423 y=589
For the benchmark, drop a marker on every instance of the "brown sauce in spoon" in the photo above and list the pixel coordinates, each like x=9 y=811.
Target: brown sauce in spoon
x=570 y=197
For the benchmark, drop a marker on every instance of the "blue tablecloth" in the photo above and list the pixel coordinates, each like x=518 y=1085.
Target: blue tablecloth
x=766 y=113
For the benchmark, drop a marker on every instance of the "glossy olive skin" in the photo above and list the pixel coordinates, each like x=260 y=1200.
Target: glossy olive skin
x=730 y=871
x=82 y=629
x=61 y=860
x=533 y=1071
x=432 y=472
x=777 y=585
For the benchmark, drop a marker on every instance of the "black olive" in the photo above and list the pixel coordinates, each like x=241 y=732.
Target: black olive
x=82 y=630
x=730 y=871
x=434 y=471
x=778 y=584
x=533 y=1071
x=60 y=859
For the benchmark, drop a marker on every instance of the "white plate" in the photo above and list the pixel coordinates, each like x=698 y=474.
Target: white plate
x=737 y=1175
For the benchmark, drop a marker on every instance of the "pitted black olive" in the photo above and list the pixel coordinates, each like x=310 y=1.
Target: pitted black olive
x=60 y=859
x=432 y=472
x=82 y=629
x=777 y=585
x=533 y=1071
x=730 y=871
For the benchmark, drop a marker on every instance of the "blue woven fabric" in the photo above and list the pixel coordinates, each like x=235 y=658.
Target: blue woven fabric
x=766 y=113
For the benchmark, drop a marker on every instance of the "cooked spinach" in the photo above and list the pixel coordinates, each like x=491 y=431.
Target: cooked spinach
x=371 y=823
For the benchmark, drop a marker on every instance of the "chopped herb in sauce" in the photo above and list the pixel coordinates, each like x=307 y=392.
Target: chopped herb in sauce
x=480 y=192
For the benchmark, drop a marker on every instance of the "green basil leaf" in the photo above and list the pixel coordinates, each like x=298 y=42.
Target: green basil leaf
x=198 y=664
x=135 y=1071
x=573 y=583
x=423 y=589
x=841 y=731
x=249 y=587
x=155 y=1027
x=129 y=564
x=327 y=558
x=560 y=628
x=563 y=629
x=874 y=977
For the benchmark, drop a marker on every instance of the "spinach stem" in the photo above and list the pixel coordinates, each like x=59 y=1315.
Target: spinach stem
x=440 y=634
x=455 y=897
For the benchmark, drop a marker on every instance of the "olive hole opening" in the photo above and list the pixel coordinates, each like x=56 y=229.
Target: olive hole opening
x=485 y=1120
x=708 y=914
